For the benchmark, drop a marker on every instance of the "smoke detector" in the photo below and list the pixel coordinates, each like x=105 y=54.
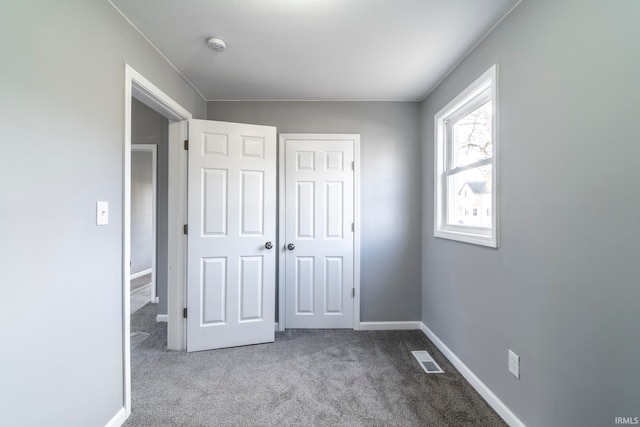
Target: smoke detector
x=216 y=44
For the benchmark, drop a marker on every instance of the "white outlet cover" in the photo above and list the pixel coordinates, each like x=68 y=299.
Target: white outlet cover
x=514 y=364
x=102 y=213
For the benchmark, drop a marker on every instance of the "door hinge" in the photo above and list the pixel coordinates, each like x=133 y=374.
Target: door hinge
x=353 y=166
x=353 y=226
x=353 y=292
x=186 y=144
x=184 y=313
x=185 y=229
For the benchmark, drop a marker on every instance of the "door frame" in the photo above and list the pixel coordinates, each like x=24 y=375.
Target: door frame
x=153 y=149
x=281 y=326
x=137 y=86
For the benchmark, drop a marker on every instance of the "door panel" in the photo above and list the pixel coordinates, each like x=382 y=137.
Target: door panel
x=305 y=210
x=252 y=197
x=333 y=210
x=231 y=215
x=251 y=289
x=214 y=286
x=319 y=213
x=304 y=285
x=333 y=284
x=214 y=197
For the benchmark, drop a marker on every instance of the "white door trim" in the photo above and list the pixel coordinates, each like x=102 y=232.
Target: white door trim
x=153 y=149
x=135 y=85
x=281 y=219
x=177 y=241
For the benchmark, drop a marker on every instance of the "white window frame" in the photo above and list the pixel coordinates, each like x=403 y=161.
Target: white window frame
x=467 y=101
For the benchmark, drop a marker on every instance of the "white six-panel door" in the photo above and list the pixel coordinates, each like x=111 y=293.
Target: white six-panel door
x=319 y=237
x=231 y=219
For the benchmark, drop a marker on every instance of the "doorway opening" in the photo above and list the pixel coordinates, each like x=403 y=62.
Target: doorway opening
x=138 y=87
x=144 y=224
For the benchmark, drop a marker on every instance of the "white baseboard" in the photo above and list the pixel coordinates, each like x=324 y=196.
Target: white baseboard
x=484 y=391
x=156 y=301
x=140 y=274
x=277 y=327
x=162 y=318
x=388 y=326
x=118 y=419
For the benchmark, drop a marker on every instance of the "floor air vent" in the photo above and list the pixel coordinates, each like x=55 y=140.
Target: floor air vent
x=426 y=361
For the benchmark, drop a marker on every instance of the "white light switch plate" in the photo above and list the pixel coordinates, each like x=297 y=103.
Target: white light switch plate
x=514 y=364
x=102 y=213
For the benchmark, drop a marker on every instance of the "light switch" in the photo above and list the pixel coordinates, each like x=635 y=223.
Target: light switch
x=102 y=213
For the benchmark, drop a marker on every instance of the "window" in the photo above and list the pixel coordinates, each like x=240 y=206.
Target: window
x=466 y=150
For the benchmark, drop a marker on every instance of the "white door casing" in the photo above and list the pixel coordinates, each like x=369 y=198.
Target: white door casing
x=137 y=86
x=231 y=217
x=319 y=246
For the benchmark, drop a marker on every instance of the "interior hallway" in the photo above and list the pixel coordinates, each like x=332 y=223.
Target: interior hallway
x=140 y=296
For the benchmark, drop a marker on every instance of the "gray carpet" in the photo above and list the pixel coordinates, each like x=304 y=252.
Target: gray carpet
x=305 y=378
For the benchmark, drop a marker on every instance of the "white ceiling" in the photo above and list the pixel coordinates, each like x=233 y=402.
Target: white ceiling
x=391 y=50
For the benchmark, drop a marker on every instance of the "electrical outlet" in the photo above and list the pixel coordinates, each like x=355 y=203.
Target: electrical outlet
x=514 y=364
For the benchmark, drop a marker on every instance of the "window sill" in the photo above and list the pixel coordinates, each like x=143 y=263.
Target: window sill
x=467 y=236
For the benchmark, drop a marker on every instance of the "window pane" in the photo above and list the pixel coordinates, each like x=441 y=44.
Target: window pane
x=470 y=194
x=472 y=139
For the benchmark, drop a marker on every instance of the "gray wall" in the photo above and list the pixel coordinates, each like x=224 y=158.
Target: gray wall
x=562 y=290
x=149 y=127
x=141 y=211
x=390 y=175
x=61 y=103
